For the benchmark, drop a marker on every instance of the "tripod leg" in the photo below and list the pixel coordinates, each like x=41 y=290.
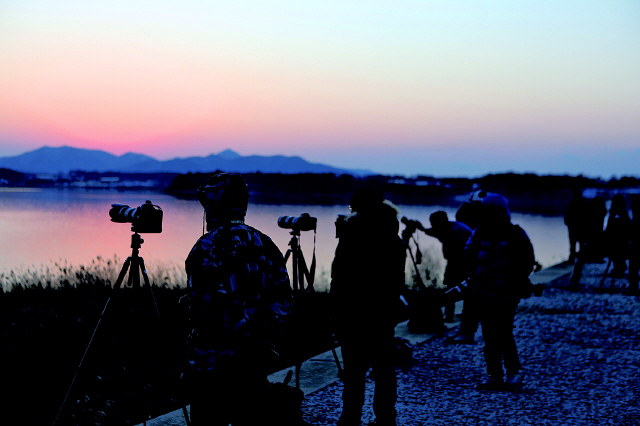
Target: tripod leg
x=606 y=271
x=147 y=283
x=415 y=267
x=116 y=286
x=298 y=367
x=145 y=276
x=335 y=357
x=185 y=413
x=294 y=266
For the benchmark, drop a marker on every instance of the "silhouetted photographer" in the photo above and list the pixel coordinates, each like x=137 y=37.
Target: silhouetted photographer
x=576 y=218
x=501 y=258
x=238 y=299
x=453 y=236
x=367 y=279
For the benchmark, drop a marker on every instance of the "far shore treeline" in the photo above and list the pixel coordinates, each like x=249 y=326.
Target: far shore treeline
x=527 y=193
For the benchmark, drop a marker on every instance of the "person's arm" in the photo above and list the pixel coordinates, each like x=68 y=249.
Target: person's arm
x=429 y=231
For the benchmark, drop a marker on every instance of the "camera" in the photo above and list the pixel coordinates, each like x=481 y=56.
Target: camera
x=146 y=218
x=411 y=226
x=457 y=292
x=304 y=222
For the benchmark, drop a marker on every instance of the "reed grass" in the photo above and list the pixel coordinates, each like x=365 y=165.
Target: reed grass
x=62 y=274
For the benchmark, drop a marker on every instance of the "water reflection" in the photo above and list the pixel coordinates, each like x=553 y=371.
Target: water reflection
x=45 y=226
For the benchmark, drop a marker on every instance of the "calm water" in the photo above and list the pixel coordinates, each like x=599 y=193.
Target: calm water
x=40 y=227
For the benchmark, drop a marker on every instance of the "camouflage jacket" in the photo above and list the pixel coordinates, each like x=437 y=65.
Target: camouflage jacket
x=500 y=260
x=239 y=296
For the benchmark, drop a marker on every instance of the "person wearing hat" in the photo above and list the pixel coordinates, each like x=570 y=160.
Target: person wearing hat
x=367 y=278
x=501 y=258
x=239 y=296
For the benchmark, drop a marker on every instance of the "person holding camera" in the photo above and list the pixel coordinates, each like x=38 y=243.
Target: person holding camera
x=238 y=299
x=454 y=237
x=367 y=279
x=501 y=258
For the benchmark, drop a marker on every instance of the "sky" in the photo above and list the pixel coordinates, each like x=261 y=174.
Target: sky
x=440 y=87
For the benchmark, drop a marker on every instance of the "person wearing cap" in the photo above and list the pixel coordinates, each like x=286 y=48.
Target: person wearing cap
x=501 y=258
x=239 y=296
x=453 y=236
x=367 y=278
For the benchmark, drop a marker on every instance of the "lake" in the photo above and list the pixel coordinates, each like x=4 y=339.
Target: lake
x=42 y=227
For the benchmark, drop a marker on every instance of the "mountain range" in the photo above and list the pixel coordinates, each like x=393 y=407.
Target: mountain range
x=65 y=159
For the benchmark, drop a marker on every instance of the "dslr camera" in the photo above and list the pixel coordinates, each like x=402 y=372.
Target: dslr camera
x=145 y=219
x=304 y=222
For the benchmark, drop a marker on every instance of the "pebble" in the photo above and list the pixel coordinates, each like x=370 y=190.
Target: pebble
x=580 y=347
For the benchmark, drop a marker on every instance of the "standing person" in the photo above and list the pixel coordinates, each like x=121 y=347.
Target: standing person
x=454 y=237
x=593 y=236
x=617 y=235
x=367 y=278
x=239 y=296
x=469 y=213
x=502 y=258
x=634 y=249
x=575 y=218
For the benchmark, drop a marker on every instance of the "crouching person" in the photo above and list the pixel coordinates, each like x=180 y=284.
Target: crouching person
x=239 y=296
x=501 y=256
x=367 y=277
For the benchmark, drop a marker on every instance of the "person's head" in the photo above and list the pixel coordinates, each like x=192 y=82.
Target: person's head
x=224 y=196
x=478 y=196
x=438 y=219
x=618 y=204
x=366 y=199
x=495 y=210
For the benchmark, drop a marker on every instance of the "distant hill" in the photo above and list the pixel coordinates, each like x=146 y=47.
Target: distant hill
x=65 y=159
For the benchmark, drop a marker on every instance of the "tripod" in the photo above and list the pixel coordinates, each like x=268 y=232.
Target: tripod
x=299 y=271
x=299 y=266
x=429 y=317
x=135 y=266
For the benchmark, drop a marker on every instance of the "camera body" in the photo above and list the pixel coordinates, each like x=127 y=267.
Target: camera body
x=145 y=219
x=410 y=227
x=304 y=222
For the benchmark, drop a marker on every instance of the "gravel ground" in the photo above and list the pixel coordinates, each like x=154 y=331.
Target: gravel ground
x=580 y=348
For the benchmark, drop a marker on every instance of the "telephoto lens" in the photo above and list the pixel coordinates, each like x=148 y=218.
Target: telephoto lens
x=304 y=222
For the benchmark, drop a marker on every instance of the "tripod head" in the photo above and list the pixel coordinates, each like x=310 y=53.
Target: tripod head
x=136 y=241
x=134 y=265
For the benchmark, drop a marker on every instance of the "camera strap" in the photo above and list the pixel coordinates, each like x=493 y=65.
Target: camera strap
x=310 y=273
